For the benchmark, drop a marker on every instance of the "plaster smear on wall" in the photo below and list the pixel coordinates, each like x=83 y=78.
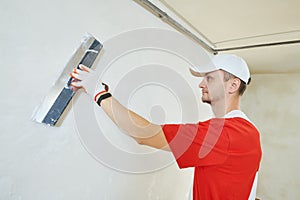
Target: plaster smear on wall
x=40 y=162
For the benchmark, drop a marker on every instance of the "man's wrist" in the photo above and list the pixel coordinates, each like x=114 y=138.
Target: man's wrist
x=104 y=94
x=99 y=98
x=96 y=97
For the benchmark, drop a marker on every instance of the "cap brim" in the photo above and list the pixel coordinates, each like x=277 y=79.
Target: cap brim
x=196 y=73
x=205 y=68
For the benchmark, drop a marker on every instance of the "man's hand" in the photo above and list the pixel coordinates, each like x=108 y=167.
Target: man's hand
x=87 y=79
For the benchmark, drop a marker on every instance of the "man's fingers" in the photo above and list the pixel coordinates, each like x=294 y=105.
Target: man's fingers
x=77 y=84
x=79 y=74
x=84 y=78
x=74 y=75
x=84 y=68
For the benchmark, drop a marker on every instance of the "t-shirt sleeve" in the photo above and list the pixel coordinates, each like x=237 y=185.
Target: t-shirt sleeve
x=202 y=144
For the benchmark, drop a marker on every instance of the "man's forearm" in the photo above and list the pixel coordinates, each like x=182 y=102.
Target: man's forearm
x=143 y=131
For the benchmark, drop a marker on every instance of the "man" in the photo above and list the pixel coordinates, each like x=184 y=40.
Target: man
x=225 y=150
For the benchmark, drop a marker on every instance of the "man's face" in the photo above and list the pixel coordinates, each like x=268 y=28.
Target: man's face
x=212 y=86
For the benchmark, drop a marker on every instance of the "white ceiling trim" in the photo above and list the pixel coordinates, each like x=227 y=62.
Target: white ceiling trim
x=265 y=53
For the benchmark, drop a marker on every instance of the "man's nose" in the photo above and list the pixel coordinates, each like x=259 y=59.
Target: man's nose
x=202 y=84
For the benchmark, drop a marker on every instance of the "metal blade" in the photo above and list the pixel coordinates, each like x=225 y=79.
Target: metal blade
x=55 y=103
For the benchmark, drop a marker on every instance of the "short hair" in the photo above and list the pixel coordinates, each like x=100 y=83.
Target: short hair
x=243 y=85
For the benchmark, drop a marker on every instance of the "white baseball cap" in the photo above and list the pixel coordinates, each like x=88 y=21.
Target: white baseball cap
x=227 y=62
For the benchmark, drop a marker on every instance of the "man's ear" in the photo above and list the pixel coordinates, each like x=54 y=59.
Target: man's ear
x=234 y=85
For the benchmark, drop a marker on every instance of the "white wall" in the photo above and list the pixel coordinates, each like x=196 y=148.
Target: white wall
x=271 y=102
x=40 y=162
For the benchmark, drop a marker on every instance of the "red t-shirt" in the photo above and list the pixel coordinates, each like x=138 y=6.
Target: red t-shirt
x=225 y=152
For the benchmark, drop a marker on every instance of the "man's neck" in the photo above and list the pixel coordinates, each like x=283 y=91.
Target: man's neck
x=221 y=108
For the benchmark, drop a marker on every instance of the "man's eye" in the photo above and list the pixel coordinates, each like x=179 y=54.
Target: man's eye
x=208 y=78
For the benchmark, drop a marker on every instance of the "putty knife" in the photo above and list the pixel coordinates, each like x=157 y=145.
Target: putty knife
x=58 y=98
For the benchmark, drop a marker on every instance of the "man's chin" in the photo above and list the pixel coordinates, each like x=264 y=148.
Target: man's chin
x=206 y=101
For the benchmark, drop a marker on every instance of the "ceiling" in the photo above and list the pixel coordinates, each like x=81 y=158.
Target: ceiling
x=265 y=33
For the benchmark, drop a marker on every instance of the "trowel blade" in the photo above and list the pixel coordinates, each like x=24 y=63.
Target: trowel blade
x=58 y=98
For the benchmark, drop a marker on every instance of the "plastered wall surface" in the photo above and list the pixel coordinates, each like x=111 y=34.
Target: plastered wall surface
x=271 y=102
x=39 y=162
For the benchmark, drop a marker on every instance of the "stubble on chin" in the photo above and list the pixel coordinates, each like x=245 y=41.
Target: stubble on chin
x=206 y=101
